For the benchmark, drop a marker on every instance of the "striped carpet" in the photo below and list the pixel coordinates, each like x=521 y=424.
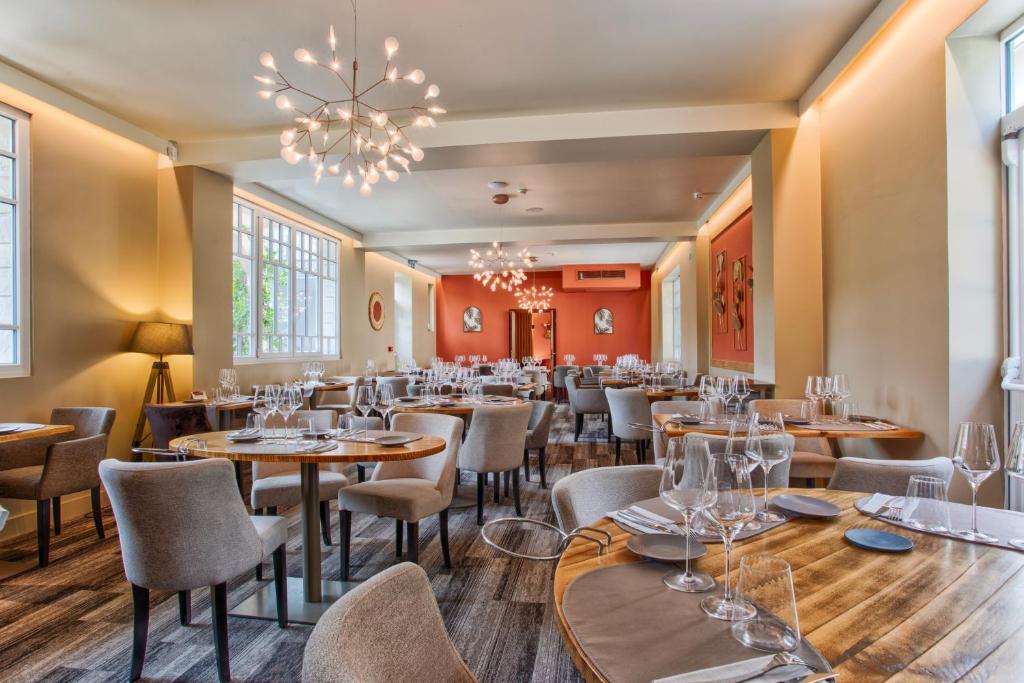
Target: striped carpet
x=71 y=621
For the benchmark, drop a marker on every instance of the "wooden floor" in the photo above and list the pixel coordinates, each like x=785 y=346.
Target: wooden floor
x=71 y=621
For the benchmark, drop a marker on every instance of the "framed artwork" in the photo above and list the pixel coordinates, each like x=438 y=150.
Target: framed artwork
x=604 y=321
x=472 y=320
x=376 y=311
x=720 y=292
x=739 y=304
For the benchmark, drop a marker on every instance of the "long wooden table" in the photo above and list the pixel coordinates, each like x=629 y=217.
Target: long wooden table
x=676 y=429
x=39 y=433
x=947 y=610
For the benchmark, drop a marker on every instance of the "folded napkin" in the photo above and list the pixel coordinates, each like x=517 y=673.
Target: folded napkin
x=878 y=501
x=746 y=667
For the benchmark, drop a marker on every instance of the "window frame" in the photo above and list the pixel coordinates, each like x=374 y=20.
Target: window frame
x=260 y=214
x=21 y=201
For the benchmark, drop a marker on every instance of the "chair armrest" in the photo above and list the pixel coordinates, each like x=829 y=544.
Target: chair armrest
x=73 y=465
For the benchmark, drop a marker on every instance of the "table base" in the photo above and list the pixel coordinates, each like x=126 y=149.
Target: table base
x=263 y=605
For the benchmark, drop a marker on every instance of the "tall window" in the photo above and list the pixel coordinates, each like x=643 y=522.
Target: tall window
x=671 y=318
x=403 y=317
x=284 y=287
x=14 y=254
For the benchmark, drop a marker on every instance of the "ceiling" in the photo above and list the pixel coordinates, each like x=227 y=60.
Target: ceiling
x=449 y=260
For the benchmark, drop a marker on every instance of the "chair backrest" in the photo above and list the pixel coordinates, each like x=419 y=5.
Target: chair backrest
x=659 y=439
x=539 y=427
x=626 y=406
x=538 y=377
x=87 y=421
x=791 y=406
x=359 y=381
x=322 y=419
x=594 y=370
x=399 y=385
x=496 y=438
x=585 y=399
x=485 y=369
x=438 y=468
x=499 y=390
x=778 y=477
x=181 y=524
x=169 y=421
x=584 y=497
x=885 y=476
x=354 y=421
x=685 y=406
x=558 y=378
x=388 y=628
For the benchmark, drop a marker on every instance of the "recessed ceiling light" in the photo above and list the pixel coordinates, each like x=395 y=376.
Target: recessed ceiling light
x=497 y=184
x=535 y=209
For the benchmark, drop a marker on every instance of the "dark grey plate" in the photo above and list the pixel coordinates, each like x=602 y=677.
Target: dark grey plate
x=665 y=547
x=805 y=506
x=243 y=438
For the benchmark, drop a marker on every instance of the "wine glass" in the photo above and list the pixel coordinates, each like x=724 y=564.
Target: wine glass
x=291 y=400
x=976 y=456
x=1015 y=465
x=811 y=388
x=769 y=449
x=364 y=401
x=263 y=405
x=742 y=390
x=729 y=507
x=382 y=400
x=841 y=387
x=682 y=488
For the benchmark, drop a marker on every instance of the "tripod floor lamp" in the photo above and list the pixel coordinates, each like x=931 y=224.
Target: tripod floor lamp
x=161 y=339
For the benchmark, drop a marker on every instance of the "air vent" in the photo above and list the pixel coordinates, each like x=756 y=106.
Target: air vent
x=600 y=275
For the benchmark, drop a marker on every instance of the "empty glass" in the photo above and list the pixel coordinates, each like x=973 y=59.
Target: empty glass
x=364 y=401
x=263 y=405
x=254 y=423
x=769 y=449
x=976 y=456
x=1015 y=465
x=682 y=488
x=382 y=401
x=290 y=401
x=767 y=581
x=926 y=506
x=809 y=411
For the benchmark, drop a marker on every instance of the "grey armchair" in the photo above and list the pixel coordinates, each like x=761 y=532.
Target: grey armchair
x=886 y=476
x=594 y=371
x=399 y=384
x=629 y=406
x=675 y=406
x=388 y=628
x=584 y=497
x=341 y=401
x=537 y=432
x=558 y=380
x=495 y=444
x=67 y=467
x=407 y=491
x=812 y=456
x=499 y=390
x=586 y=401
x=182 y=526
x=354 y=421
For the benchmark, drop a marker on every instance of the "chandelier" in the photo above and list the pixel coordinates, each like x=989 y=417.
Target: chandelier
x=344 y=133
x=497 y=267
x=532 y=298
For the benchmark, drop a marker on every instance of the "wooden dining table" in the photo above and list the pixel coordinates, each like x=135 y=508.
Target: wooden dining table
x=37 y=433
x=836 y=432
x=310 y=596
x=945 y=611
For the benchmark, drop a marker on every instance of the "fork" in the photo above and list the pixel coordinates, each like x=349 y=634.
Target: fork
x=640 y=520
x=778 y=661
x=894 y=513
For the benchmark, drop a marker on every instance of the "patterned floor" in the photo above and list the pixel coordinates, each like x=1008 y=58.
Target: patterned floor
x=71 y=621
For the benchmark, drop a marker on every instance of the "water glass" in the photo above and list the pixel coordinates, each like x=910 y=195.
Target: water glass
x=926 y=506
x=809 y=411
x=1015 y=465
x=682 y=488
x=254 y=423
x=850 y=412
x=976 y=457
x=305 y=427
x=767 y=581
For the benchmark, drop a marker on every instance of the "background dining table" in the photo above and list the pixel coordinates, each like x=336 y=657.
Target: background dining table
x=946 y=610
x=832 y=432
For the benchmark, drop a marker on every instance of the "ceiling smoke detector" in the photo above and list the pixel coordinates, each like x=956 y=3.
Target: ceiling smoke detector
x=497 y=184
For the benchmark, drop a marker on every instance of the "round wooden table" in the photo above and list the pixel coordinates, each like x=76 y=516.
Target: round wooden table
x=316 y=595
x=944 y=610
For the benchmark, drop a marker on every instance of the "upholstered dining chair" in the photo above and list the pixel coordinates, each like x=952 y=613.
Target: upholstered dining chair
x=584 y=497
x=279 y=484
x=676 y=406
x=409 y=490
x=594 y=371
x=182 y=526
x=399 y=385
x=494 y=444
x=341 y=401
x=629 y=406
x=388 y=628
x=538 y=430
x=354 y=421
x=558 y=380
x=540 y=379
x=169 y=421
x=67 y=467
x=499 y=390
x=812 y=456
x=585 y=401
x=886 y=476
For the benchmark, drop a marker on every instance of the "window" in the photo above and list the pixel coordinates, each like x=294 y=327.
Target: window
x=14 y=254
x=431 y=308
x=1015 y=72
x=671 y=318
x=284 y=287
x=403 y=317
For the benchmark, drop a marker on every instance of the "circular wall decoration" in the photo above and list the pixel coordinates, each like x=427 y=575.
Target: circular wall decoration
x=376 y=311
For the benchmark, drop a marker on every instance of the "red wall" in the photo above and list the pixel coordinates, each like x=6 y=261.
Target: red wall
x=737 y=242
x=574 y=319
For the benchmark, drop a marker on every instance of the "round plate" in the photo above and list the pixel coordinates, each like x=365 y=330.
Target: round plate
x=243 y=438
x=797 y=420
x=805 y=506
x=318 y=434
x=395 y=439
x=408 y=399
x=874 y=539
x=665 y=547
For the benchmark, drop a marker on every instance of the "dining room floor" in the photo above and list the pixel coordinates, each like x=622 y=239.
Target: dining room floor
x=72 y=620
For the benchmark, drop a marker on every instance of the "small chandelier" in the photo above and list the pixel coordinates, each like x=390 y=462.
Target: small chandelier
x=348 y=130
x=498 y=267
x=532 y=298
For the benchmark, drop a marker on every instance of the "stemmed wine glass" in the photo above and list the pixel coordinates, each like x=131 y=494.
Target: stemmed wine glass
x=682 y=488
x=364 y=401
x=811 y=389
x=742 y=390
x=383 y=398
x=263 y=405
x=976 y=456
x=729 y=507
x=767 y=443
x=1015 y=465
x=841 y=387
x=291 y=400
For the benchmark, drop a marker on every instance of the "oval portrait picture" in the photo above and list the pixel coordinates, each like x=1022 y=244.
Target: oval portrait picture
x=472 y=320
x=604 y=323
x=376 y=310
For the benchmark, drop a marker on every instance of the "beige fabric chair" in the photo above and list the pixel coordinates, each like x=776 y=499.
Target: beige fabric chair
x=886 y=476
x=408 y=490
x=558 y=380
x=540 y=378
x=812 y=456
x=67 y=466
x=585 y=401
x=537 y=433
x=183 y=526
x=499 y=390
x=341 y=401
x=626 y=407
x=584 y=497
x=399 y=384
x=357 y=421
x=278 y=484
x=495 y=444
x=672 y=407
x=387 y=629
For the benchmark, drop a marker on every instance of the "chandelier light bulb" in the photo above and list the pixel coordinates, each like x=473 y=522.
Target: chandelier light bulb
x=373 y=175
x=288 y=136
x=432 y=92
x=391 y=45
x=437 y=110
x=264 y=80
x=349 y=182
x=332 y=39
x=365 y=190
x=303 y=56
x=282 y=102
x=391 y=175
x=265 y=94
x=334 y=169
x=267 y=60
x=416 y=76
x=416 y=153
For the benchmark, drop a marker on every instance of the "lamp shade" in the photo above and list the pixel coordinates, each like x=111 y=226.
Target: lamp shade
x=173 y=339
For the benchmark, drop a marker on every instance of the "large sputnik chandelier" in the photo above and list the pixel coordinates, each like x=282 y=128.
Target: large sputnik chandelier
x=535 y=299
x=349 y=131
x=497 y=267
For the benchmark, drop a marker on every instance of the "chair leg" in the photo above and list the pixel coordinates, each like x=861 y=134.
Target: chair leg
x=185 y=607
x=219 y=614
x=579 y=426
x=361 y=471
x=55 y=507
x=514 y=475
x=272 y=510
x=497 y=486
x=526 y=463
x=398 y=537
x=611 y=428
x=259 y=571
x=281 y=584
x=344 y=541
x=140 y=629
x=43 y=531
x=618 y=451
x=540 y=462
x=325 y=521
x=97 y=513
x=508 y=475
x=481 y=480
x=641 y=454
x=443 y=521
x=414 y=541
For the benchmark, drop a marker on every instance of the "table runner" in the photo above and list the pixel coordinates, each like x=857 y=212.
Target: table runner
x=843 y=427
x=635 y=630
x=704 y=535
x=1003 y=524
